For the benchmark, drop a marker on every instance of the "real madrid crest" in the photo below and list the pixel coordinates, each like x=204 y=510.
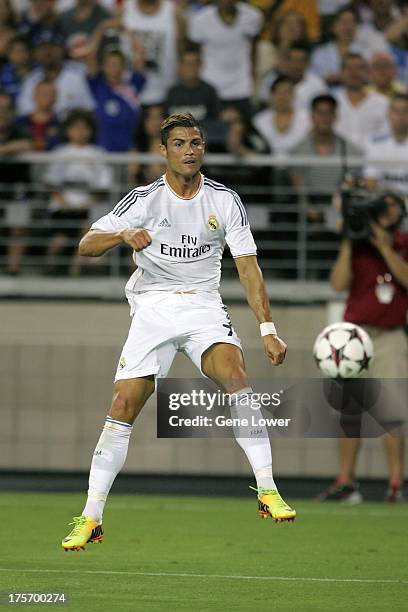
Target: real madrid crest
x=212 y=223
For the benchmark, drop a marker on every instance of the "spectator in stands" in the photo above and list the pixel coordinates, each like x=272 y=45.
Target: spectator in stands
x=237 y=136
x=159 y=24
x=297 y=68
x=17 y=66
x=281 y=124
x=14 y=180
x=78 y=180
x=383 y=15
x=78 y=25
x=391 y=146
x=360 y=113
x=315 y=182
x=375 y=273
x=396 y=31
x=148 y=142
x=277 y=37
x=8 y=23
x=190 y=93
x=40 y=18
x=42 y=125
x=226 y=32
x=348 y=37
x=383 y=72
x=72 y=87
x=116 y=91
x=273 y=9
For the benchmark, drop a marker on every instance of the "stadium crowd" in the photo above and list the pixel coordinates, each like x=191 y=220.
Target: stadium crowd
x=304 y=77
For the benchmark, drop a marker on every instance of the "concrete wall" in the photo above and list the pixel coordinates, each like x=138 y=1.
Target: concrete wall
x=57 y=361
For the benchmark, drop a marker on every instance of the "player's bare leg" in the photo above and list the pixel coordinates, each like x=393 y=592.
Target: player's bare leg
x=129 y=397
x=224 y=364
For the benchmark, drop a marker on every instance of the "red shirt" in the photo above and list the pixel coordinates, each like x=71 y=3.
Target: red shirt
x=371 y=279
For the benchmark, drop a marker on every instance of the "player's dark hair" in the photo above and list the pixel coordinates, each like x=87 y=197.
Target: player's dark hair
x=323 y=99
x=178 y=120
x=279 y=81
x=81 y=114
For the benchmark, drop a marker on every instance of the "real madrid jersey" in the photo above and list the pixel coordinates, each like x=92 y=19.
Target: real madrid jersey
x=188 y=234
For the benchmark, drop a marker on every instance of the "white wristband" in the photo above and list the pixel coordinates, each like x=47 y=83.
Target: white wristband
x=268 y=329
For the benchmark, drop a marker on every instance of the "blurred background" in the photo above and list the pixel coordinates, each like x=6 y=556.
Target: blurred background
x=293 y=97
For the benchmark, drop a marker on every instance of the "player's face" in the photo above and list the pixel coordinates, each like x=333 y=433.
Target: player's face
x=184 y=151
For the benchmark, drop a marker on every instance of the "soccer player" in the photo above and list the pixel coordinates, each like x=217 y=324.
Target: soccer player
x=178 y=225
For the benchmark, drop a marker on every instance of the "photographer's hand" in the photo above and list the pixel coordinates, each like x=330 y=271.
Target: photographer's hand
x=383 y=240
x=380 y=237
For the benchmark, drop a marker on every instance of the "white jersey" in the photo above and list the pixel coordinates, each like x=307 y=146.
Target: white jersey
x=282 y=142
x=392 y=175
x=188 y=235
x=359 y=123
x=226 y=48
x=158 y=32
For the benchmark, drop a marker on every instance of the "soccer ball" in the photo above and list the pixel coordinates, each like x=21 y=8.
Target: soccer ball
x=343 y=350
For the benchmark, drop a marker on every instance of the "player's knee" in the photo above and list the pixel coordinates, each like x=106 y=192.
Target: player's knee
x=234 y=377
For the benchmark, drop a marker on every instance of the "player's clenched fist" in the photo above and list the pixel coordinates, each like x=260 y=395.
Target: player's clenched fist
x=138 y=239
x=275 y=348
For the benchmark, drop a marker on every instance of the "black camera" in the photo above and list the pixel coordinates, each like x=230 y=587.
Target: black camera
x=360 y=207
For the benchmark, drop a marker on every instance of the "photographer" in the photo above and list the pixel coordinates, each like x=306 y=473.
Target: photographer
x=375 y=271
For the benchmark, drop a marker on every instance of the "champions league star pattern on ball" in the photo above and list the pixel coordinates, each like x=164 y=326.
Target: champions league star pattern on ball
x=343 y=350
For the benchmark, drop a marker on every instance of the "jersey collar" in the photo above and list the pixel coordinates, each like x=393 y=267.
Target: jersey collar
x=181 y=197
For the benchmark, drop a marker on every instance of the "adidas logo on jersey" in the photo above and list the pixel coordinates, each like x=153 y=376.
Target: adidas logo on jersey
x=164 y=223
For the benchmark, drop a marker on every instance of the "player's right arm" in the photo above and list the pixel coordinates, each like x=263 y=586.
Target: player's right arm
x=124 y=224
x=97 y=242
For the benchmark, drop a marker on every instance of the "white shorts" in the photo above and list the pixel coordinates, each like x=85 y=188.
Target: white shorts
x=164 y=323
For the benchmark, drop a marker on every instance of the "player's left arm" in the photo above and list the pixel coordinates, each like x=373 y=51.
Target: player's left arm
x=252 y=280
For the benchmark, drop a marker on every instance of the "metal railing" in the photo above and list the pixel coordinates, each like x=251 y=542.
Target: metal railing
x=292 y=243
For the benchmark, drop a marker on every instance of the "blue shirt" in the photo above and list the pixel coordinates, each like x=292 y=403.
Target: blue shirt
x=117 y=110
x=9 y=80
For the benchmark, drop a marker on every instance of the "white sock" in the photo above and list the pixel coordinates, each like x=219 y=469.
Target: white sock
x=253 y=439
x=108 y=459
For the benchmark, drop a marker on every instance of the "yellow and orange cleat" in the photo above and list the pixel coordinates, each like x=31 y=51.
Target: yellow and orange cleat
x=271 y=504
x=85 y=531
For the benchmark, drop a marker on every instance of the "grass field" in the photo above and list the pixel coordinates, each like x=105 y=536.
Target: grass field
x=196 y=553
